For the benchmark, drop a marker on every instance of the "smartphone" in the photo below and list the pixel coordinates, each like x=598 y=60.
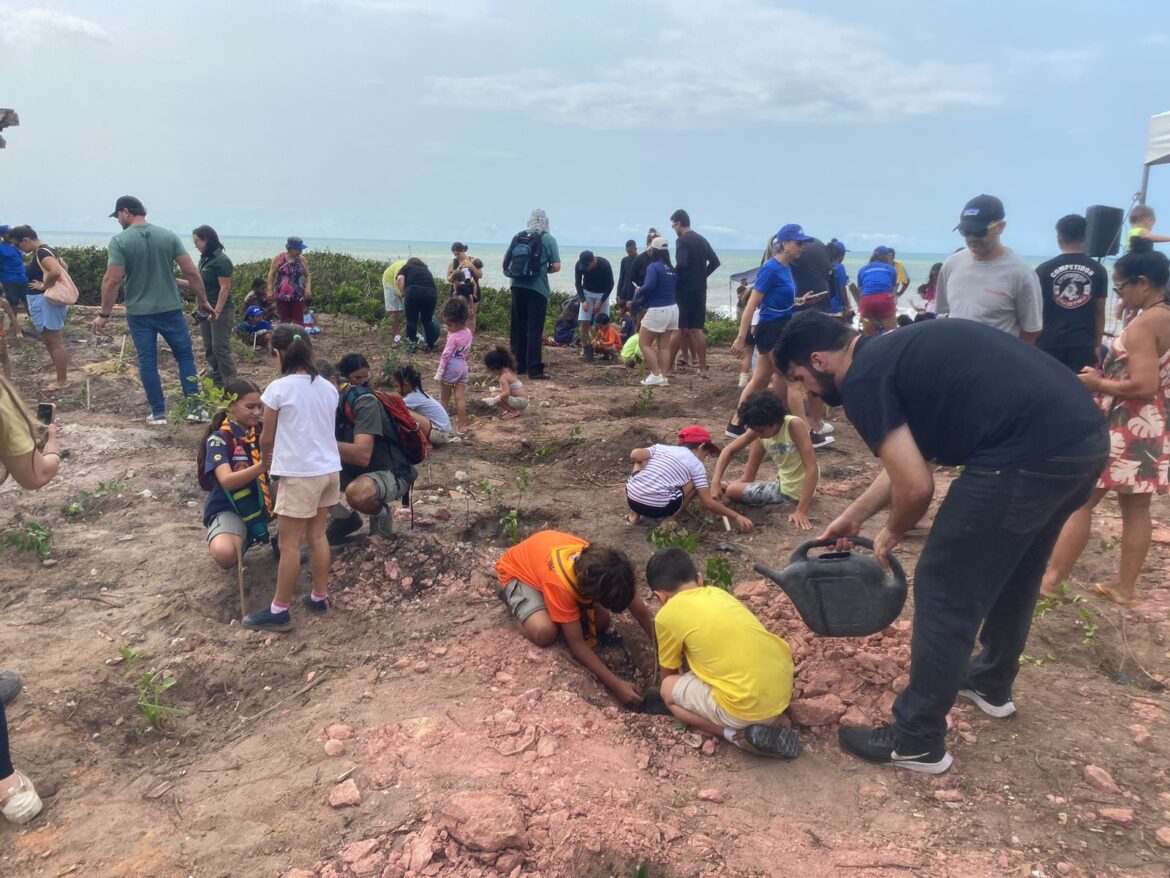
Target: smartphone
x=45 y=412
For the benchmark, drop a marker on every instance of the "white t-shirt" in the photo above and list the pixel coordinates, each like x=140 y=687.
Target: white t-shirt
x=668 y=469
x=306 y=444
x=430 y=408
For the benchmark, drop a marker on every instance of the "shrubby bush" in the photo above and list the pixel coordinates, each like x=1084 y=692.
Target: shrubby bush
x=344 y=284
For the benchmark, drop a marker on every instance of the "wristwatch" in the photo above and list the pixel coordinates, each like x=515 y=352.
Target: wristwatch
x=103 y=316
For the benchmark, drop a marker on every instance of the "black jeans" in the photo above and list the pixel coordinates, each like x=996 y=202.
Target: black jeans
x=419 y=305
x=5 y=757
x=528 y=312
x=982 y=565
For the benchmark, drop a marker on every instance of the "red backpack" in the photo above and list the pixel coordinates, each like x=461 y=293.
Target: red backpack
x=410 y=437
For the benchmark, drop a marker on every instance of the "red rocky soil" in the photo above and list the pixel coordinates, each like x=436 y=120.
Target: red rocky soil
x=413 y=732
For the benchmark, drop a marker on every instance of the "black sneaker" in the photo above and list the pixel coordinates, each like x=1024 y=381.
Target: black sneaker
x=880 y=745
x=734 y=431
x=820 y=440
x=317 y=606
x=10 y=686
x=266 y=620
x=761 y=740
x=996 y=707
x=337 y=529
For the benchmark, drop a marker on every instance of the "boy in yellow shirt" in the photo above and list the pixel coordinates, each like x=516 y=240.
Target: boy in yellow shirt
x=739 y=677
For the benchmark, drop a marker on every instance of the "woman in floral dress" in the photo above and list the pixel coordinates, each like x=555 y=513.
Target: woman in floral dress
x=1134 y=394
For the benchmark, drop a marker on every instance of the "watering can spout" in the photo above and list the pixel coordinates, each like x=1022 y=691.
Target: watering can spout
x=840 y=594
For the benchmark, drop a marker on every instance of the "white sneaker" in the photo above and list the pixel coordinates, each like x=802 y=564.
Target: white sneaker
x=654 y=380
x=157 y=420
x=198 y=417
x=744 y=378
x=826 y=428
x=22 y=805
x=398 y=339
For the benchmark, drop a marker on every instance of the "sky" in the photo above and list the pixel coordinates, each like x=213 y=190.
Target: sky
x=452 y=119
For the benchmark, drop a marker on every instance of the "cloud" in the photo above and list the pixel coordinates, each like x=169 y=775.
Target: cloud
x=34 y=26
x=733 y=59
x=416 y=12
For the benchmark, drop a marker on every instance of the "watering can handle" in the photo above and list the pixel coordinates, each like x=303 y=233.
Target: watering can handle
x=801 y=553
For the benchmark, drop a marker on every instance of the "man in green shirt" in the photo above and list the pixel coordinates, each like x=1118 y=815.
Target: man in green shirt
x=141 y=258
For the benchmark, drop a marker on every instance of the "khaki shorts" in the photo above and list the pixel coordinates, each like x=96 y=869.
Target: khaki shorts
x=438 y=437
x=302 y=496
x=227 y=522
x=691 y=693
x=522 y=599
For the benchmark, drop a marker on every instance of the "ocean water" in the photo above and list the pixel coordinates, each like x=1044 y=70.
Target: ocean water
x=720 y=295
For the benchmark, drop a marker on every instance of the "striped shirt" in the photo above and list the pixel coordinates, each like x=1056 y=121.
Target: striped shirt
x=668 y=469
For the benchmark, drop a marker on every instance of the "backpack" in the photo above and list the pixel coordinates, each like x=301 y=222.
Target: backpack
x=524 y=258
x=410 y=437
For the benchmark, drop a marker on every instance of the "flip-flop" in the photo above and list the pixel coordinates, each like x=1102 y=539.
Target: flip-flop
x=56 y=388
x=1102 y=592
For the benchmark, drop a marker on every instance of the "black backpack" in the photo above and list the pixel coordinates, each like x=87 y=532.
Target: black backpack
x=524 y=258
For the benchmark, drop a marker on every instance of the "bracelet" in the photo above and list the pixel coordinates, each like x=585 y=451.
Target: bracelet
x=102 y=316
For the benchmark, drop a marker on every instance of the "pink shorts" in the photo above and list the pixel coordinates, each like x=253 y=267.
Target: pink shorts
x=877 y=306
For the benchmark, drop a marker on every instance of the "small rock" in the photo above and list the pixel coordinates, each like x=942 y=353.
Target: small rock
x=443 y=514
x=1100 y=779
x=359 y=850
x=338 y=732
x=421 y=667
x=948 y=795
x=484 y=821
x=504 y=677
x=147 y=493
x=533 y=695
x=546 y=747
x=401 y=663
x=345 y=794
x=874 y=791
x=711 y=796
x=1163 y=836
x=670 y=832
x=334 y=747
x=709 y=747
x=439 y=651
x=49 y=562
x=755 y=588
x=819 y=711
x=461 y=476
x=504 y=716
x=1122 y=816
x=299 y=873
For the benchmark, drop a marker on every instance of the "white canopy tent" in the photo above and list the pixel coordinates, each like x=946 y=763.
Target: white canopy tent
x=1157 y=149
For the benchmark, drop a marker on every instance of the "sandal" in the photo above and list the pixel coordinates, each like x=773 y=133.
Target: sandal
x=56 y=387
x=510 y=415
x=1102 y=592
x=23 y=803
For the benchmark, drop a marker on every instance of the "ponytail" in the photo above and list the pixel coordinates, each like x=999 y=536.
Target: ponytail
x=233 y=389
x=296 y=351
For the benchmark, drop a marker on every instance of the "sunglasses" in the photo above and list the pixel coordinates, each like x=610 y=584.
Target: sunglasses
x=1117 y=288
x=979 y=233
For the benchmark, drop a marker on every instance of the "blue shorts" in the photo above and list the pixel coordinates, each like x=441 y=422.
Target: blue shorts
x=591 y=299
x=45 y=315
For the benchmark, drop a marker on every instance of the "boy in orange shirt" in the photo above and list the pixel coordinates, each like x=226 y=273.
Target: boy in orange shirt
x=555 y=582
x=607 y=341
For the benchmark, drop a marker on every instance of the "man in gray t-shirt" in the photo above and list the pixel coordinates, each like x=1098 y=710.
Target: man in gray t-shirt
x=987 y=282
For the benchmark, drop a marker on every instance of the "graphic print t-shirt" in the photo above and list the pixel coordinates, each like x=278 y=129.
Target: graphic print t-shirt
x=1068 y=284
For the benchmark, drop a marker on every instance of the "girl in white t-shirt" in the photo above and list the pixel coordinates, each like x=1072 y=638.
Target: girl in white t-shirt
x=300 y=447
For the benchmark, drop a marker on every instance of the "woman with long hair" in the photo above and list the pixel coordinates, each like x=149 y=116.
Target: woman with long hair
x=1133 y=390
x=416 y=285
x=48 y=319
x=656 y=297
x=216 y=328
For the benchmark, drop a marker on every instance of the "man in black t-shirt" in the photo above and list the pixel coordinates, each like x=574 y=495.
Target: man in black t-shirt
x=814 y=276
x=625 y=290
x=1032 y=443
x=694 y=261
x=1073 y=287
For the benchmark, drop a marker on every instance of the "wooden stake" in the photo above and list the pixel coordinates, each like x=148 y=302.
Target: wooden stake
x=122 y=352
x=88 y=395
x=240 y=569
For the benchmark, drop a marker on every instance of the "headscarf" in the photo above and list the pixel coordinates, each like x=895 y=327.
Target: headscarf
x=538 y=221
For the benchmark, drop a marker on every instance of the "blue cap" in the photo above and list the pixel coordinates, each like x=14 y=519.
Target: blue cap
x=791 y=232
x=881 y=250
x=253 y=311
x=4 y=230
x=295 y=243
x=837 y=247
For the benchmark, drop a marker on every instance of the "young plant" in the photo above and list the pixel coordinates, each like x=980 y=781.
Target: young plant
x=206 y=399
x=645 y=400
x=84 y=499
x=720 y=573
x=670 y=536
x=151 y=687
x=29 y=537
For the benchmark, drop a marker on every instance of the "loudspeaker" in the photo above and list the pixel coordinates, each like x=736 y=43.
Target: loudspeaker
x=1103 y=234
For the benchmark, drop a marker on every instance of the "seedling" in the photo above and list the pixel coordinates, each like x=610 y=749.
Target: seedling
x=207 y=398
x=84 y=499
x=30 y=537
x=670 y=536
x=719 y=573
x=151 y=687
x=645 y=400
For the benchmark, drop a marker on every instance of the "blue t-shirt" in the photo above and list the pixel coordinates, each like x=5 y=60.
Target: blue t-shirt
x=11 y=265
x=253 y=328
x=658 y=290
x=877 y=277
x=840 y=281
x=774 y=280
x=239 y=457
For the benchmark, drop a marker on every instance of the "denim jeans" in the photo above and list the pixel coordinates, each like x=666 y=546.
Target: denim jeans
x=527 y=332
x=217 y=345
x=172 y=326
x=981 y=566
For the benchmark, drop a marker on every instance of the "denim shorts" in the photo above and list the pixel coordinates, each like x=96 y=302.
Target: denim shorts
x=45 y=315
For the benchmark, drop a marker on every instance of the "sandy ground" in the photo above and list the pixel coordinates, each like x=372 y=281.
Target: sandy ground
x=412 y=731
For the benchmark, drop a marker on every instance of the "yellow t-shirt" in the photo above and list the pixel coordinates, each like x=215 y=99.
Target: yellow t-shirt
x=902 y=278
x=16 y=439
x=1135 y=232
x=389 y=281
x=790 y=469
x=748 y=668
